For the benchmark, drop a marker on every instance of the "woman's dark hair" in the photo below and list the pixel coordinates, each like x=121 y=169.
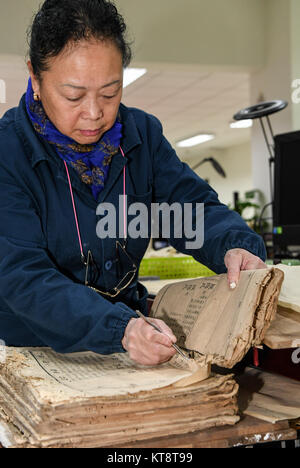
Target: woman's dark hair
x=59 y=22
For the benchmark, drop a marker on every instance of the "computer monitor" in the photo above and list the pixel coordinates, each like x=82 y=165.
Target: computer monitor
x=286 y=209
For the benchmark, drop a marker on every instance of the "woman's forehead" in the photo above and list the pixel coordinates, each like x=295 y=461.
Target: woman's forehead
x=74 y=86
x=87 y=61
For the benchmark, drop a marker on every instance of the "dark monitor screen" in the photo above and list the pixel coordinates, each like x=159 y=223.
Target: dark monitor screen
x=287 y=180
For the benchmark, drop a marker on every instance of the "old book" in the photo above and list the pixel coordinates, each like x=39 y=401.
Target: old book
x=88 y=400
x=218 y=324
x=284 y=331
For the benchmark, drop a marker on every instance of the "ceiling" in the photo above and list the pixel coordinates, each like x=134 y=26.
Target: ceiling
x=187 y=102
x=193 y=102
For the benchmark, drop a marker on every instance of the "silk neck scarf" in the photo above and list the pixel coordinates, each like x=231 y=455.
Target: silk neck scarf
x=91 y=161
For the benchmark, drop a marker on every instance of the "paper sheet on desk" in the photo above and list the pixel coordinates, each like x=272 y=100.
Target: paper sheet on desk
x=290 y=290
x=284 y=331
x=268 y=396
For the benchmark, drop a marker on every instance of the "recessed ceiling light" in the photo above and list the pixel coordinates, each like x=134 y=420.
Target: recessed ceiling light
x=247 y=123
x=196 y=140
x=132 y=74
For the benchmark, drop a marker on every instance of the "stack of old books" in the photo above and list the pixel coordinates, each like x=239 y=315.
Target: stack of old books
x=89 y=400
x=49 y=400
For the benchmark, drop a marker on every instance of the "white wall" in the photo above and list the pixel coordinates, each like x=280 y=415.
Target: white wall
x=15 y=17
x=13 y=71
x=207 y=32
x=237 y=164
x=273 y=81
x=295 y=58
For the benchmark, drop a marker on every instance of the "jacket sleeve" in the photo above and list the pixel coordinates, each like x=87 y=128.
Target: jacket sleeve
x=224 y=229
x=64 y=315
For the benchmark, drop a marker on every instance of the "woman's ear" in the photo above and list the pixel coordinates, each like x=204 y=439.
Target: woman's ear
x=34 y=80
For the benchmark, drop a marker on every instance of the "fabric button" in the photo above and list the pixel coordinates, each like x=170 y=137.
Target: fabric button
x=108 y=265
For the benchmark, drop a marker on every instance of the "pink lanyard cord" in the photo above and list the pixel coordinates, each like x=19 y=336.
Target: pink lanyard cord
x=124 y=198
x=75 y=214
x=74 y=208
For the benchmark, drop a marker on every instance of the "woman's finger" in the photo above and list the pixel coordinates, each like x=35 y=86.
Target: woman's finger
x=166 y=329
x=240 y=259
x=233 y=261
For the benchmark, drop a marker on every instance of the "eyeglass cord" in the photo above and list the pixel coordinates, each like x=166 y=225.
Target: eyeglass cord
x=75 y=213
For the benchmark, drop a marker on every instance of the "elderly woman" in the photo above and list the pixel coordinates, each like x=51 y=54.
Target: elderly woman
x=69 y=147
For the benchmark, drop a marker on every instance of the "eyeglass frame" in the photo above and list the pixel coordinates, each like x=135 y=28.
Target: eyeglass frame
x=117 y=289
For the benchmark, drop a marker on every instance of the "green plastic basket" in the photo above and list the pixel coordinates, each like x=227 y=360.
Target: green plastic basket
x=173 y=267
x=291 y=262
x=285 y=261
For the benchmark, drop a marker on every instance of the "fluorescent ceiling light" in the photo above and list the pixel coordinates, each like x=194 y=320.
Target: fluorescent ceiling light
x=132 y=74
x=196 y=140
x=247 y=123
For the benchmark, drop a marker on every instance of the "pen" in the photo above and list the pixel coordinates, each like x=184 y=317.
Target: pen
x=160 y=331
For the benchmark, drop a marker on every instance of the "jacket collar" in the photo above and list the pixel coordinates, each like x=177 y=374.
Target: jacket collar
x=131 y=135
x=36 y=150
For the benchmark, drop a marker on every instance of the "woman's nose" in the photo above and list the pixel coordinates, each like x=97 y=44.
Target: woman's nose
x=93 y=110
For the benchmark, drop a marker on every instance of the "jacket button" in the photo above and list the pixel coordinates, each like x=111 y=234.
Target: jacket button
x=108 y=265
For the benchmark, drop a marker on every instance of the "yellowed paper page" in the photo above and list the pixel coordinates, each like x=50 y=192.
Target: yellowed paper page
x=57 y=376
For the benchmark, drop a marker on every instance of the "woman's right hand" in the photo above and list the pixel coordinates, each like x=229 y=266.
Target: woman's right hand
x=147 y=346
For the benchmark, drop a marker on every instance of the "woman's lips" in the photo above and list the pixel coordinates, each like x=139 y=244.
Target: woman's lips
x=90 y=132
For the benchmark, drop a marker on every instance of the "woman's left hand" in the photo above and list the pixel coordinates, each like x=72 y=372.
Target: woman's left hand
x=239 y=259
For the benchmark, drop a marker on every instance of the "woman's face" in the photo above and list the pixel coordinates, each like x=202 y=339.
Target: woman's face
x=82 y=89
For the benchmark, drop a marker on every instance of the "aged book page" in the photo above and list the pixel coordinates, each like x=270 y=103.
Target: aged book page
x=219 y=323
x=57 y=376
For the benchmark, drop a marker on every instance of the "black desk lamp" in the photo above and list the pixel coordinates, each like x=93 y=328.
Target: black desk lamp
x=214 y=163
x=260 y=110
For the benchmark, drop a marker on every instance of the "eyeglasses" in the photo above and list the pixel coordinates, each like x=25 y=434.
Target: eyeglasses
x=92 y=272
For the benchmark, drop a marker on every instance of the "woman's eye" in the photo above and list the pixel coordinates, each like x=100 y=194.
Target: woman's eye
x=73 y=100
x=109 y=97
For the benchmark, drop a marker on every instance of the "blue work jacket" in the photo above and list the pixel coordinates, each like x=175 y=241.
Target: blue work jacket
x=43 y=299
